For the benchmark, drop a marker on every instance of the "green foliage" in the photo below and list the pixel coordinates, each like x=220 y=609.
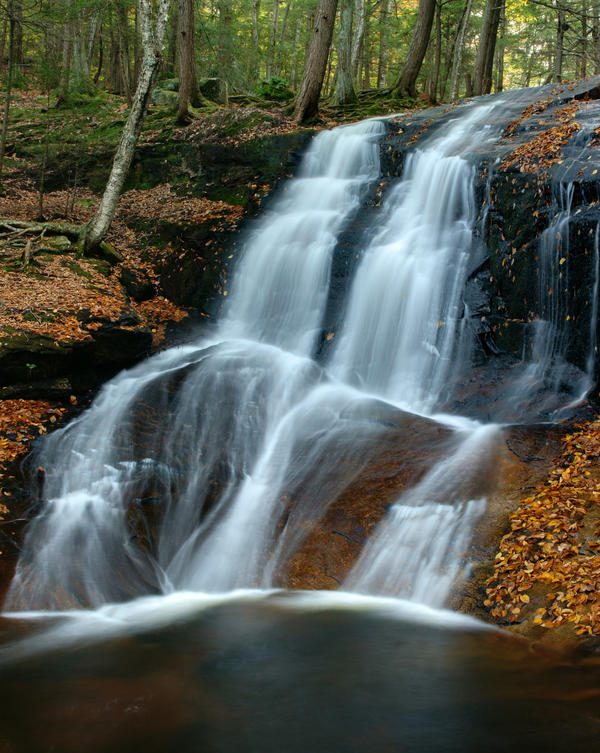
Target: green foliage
x=275 y=90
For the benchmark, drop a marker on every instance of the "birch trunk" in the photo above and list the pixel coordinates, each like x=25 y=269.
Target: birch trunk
x=153 y=34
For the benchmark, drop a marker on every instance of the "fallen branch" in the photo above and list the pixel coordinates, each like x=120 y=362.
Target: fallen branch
x=74 y=232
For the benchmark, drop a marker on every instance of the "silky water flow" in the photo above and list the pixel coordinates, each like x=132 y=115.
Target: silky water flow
x=221 y=432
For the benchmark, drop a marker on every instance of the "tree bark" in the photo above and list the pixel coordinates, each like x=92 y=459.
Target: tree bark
x=188 y=81
x=272 y=38
x=406 y=83
x=359 y=34
x=484 y=62
x=294 y=65
x=459 y=49
x=225 y=56
x=344 y=88
x=279 y=51
x=307 y=100
x=383 y=43
x=153 y=34
x=560 y=36
x=500 y=52
x=433 y=91
x=7 y=92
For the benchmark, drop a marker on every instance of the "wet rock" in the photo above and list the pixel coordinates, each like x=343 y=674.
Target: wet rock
x=136 y=286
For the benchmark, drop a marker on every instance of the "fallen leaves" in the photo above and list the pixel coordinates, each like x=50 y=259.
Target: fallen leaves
x=544 y=150
x=549 y=563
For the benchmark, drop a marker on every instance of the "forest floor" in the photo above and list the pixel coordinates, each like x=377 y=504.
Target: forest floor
x=547 y=570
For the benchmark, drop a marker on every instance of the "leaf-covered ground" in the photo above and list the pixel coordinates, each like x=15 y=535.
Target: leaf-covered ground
x=547 y=570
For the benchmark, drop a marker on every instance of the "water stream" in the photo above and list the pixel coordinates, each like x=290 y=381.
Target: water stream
x=241 y=443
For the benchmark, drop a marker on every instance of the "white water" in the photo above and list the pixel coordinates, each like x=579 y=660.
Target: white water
x=401 y=339
x=245 y=441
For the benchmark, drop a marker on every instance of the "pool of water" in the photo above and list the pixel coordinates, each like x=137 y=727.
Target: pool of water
x=281 y=672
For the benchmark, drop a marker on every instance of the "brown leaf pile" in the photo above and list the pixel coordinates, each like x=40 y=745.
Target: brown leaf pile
x=161 y=203
x=21 y=421
x=544 y=150
x=548 y=566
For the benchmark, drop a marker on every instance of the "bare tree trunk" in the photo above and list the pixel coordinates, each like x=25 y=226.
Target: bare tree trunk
x=170 y=59
x=255 y=40
x=383 y=43
x=307 y=100
x=188 y=81
x=294 y=66
x=100 y=56
x=500 y=52
x=3 y=35
x=7 y=92
x=584 y=35
x=359 y=34
x=137 y=49
x=484 y=62
x=272 y=38
x=560 y=36
x=17 y=16
x=67 y=49
x=596 y=39
x=407 y=80
x=282 y=31
x=153 y=33
x=225 y=40
x=433 y=91
x=366 y=65
x=458 y=50
x=344 y=88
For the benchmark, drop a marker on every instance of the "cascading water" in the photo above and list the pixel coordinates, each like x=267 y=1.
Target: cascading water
x=225 y=433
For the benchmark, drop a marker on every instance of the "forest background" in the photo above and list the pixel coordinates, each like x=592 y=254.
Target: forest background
x=442 y=49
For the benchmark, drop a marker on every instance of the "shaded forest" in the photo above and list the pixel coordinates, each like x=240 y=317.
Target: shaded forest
x=437 y=49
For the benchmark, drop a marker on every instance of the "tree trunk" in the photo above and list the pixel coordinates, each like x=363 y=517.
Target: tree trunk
x=188 y=81
x=344 y=89
x=255 y=41
x=272 y=38
x=7 y=92
x=560 y=36
x=153 y=33
x=584 y=35
x=595 y=31
x=294 y=65
x=358 y=37
x=3 y=35
x=500 y=52
x=307 y=100
x=225 y=56
x=407 y=80
x=282 y=31
x=170 y=60
x=484 y=62
x=17 y=16
x=433 y=91
x=383 y=43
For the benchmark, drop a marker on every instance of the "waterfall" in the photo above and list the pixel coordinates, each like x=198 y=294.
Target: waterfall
x=219 y=438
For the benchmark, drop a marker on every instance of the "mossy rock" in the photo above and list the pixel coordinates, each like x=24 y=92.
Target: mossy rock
x=169 y=84
x=214 y=89
x=165 y=98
